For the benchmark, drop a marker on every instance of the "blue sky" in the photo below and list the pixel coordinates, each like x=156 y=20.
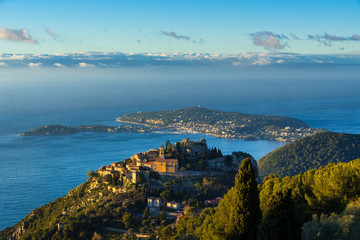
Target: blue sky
x=157 y=26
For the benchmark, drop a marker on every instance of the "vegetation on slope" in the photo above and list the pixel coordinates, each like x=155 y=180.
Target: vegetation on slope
x=89 y=208
x=344 y=226
x=287 y=204
x=309 y=153
x=279 y=209
x=106 y=207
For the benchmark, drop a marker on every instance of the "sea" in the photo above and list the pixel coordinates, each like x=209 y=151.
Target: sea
x=36 y=170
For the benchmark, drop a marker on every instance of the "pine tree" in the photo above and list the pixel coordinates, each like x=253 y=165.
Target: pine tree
x=280 y=221
x=246 y=213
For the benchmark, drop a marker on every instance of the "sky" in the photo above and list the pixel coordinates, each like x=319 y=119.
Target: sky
x=224 y=28
x=141 y=26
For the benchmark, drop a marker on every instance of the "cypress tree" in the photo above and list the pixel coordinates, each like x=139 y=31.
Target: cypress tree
x=246 y=213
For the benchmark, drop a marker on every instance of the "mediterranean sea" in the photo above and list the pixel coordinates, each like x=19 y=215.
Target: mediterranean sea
x=36 y=170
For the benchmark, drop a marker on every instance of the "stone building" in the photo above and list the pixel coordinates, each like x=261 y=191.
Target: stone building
x=154 y=204
x=163 y=165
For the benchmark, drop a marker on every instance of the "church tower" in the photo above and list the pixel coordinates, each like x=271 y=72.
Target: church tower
x=162 y=152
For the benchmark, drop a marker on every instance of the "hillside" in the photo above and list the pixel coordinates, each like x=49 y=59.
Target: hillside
x=109 y=208
x=117 y=200
x=319 y=204
x=309 y=153
x=223 y=124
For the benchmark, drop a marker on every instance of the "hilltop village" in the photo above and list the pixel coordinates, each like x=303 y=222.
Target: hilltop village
x=143 y=164
x=173 y=164
x=166 y=161
x=139 y=197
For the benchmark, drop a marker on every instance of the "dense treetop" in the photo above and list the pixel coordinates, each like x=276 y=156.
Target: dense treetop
x=310 y=153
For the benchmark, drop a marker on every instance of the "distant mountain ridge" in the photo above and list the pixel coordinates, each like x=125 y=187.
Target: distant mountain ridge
x=223 y=124
x=309 y=153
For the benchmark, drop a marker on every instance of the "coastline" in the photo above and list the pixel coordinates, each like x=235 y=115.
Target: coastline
x=206 y=133
x=140 y=124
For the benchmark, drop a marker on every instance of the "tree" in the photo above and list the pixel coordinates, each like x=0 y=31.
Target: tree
x=245 y=211
x=90 y=174
x=165 y=232
x=140 y=178
x=279 y=219
x=168 y=148
x=146 y=214
x=128 y=220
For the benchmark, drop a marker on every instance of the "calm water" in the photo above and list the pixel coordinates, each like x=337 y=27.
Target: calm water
x=36 y=170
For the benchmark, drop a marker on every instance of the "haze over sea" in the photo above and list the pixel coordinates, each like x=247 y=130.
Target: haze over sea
x=36 y=170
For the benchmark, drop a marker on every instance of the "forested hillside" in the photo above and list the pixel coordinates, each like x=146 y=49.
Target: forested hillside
x=319 y=204
x=309 y=153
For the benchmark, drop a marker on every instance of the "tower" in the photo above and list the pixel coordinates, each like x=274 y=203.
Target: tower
x=162 y=152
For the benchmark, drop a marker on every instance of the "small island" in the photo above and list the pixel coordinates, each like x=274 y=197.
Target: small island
x=63 y=130
x=223 y=124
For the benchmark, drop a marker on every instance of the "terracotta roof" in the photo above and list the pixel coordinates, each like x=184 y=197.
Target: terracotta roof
x=166 y=160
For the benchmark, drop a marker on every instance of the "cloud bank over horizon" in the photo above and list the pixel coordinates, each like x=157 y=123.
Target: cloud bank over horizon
x=120 y=60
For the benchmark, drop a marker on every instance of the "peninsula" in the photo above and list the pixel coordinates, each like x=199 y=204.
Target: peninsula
x=63 y=130
x=197 y=120
x=223 y=124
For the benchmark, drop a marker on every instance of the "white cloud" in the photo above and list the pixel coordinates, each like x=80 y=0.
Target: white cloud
x=327 y=39
x=261 y=61
x=3 y=64
x=236 y=63
x=17 y=57
x=175 y=35
x=51 y=33
x=183 y=37
x=85 y=65
x=269 y=40
x=16 y=35
x=59 y=65
x=35 y=65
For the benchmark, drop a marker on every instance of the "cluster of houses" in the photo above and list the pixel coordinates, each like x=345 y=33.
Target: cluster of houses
x=154 y=160
x=155 y=204
x=141 y=163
